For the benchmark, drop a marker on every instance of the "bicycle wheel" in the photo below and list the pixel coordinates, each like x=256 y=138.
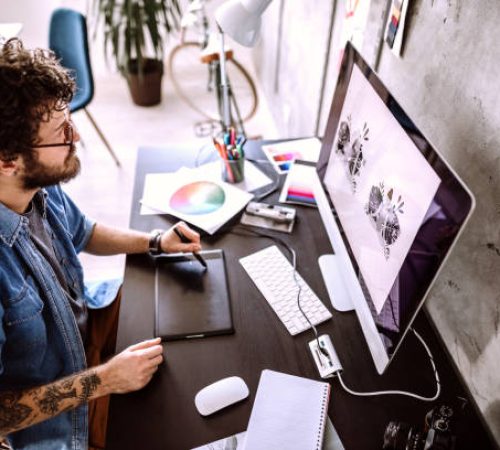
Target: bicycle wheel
x=192 y=82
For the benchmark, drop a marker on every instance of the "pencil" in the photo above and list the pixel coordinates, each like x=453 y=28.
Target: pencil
x=185 y=240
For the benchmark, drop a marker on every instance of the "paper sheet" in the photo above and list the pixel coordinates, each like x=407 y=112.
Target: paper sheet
x=283 y=154
x=237 y=441
x=195 y=198
x=254 y=179
x=289 y=412
x=298 y=186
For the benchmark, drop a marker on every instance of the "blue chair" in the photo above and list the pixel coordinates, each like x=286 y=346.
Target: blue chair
x=68 y=40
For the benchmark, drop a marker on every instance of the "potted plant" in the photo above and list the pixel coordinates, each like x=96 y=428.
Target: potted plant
x=134 y=31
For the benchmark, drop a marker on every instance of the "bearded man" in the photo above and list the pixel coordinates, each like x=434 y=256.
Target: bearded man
x=55 y=339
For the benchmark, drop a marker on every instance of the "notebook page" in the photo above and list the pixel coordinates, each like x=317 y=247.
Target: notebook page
x=289 y=413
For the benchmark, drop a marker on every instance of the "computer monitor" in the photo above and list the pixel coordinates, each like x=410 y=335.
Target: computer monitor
x=391 y=205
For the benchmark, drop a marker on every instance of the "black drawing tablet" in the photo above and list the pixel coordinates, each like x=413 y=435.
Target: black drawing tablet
x=189 y=300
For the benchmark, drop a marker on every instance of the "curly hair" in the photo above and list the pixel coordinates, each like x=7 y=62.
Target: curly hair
x=32 y=85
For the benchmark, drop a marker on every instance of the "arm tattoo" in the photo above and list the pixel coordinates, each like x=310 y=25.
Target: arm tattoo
x=12 y=412
x=89 y=385
x=53 y=395
x=20 y=409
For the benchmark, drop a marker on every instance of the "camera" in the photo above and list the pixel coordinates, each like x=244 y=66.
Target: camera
x=435 y=435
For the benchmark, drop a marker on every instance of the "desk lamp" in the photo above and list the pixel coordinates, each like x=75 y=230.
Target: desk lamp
x=239 y=19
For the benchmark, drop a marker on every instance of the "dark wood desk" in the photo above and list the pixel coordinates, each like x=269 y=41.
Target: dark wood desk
x=163 y=415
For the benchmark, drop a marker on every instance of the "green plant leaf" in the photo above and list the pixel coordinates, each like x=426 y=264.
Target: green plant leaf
x=131 y=27
x=150 y=12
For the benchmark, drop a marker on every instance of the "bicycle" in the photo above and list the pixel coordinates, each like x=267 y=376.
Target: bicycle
x=187 y=64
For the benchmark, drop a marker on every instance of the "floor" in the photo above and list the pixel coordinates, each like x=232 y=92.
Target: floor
x=103 y=190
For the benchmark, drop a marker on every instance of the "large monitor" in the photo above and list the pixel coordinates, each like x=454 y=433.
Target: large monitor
x=391 y=205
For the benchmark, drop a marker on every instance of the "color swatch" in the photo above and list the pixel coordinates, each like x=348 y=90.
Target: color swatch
x=300 y=194
x=299 y=185
x=282 y=155
x=290 y=156
x=197 y=198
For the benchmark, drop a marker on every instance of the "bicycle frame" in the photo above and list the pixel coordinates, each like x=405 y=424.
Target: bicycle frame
x=236 y=122
x=196 y=14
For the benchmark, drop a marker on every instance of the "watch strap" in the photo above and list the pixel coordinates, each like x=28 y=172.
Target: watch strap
x=155 y=242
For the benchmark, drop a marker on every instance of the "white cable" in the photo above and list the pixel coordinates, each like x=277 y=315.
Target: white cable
x=392 y=392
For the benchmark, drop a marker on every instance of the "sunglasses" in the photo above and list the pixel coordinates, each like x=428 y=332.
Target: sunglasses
x=68 y=136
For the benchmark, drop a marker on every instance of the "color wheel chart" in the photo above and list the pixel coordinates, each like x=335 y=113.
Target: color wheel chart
x=198 y=198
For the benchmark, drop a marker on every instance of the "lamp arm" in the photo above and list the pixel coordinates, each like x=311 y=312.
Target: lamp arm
x=226 y=105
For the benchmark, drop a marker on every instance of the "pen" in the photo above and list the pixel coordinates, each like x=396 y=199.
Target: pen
x=185 y=240
x=232 y=136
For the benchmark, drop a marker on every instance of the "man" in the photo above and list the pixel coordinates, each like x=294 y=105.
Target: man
x=51 y=342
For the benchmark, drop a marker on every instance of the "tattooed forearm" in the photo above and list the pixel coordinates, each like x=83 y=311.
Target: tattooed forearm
x=89 y=384
x=20 y=409
x=50 y=401
x=12 y=412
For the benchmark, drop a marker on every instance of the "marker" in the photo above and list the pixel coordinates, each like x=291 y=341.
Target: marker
x=185 y=240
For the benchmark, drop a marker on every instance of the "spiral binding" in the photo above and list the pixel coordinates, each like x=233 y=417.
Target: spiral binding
x=324 y=414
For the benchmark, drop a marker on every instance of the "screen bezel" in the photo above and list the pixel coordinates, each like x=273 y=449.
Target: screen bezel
x=453 y=185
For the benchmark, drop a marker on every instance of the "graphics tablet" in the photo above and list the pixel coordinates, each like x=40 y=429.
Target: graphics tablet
x=190 y=301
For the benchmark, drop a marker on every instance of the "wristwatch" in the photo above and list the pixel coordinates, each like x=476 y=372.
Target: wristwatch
x=154 y=247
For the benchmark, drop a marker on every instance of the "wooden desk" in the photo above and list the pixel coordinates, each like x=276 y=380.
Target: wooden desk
x=163 y=415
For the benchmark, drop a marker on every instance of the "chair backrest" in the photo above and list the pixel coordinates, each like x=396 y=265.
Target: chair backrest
x=68 y=40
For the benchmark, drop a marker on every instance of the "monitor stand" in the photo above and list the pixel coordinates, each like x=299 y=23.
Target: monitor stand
x=335 y=285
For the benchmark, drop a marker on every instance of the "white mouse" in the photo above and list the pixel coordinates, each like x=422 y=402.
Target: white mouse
x=220 y=394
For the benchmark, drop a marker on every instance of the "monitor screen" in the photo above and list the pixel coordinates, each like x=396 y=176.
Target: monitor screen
x=397 y=204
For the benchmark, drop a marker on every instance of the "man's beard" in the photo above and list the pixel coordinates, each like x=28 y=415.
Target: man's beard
x=37 y=175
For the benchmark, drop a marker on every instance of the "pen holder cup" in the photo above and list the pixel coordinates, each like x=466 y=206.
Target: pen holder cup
x=233 y=170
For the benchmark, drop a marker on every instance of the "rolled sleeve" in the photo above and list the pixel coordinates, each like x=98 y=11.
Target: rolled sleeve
x=82 y=237
x=80 y=226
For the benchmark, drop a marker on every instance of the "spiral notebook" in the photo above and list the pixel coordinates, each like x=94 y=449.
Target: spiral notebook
x=289 y=412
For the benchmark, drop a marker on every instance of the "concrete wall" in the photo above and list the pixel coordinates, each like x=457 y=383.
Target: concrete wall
x=448 y=80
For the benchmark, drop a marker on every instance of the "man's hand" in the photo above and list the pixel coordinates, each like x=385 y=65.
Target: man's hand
x=171 y=243
x=128 y=371
x=133 y=368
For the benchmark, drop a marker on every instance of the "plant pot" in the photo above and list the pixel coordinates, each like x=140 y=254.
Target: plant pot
x=145 y=88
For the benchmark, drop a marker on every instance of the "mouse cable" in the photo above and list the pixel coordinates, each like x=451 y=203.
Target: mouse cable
x=292 y=252
x=395 y=392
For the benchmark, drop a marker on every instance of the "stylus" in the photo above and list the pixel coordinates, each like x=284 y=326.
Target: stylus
x=185 y=240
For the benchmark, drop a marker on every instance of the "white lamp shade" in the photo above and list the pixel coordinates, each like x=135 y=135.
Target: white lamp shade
x=240 y=19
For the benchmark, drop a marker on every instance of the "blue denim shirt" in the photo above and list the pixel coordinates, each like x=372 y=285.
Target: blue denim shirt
x=39 y=338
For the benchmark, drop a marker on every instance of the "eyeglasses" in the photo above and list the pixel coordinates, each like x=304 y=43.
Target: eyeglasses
x=68 y=135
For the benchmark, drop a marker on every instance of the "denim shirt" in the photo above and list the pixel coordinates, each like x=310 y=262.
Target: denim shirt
x=39 y=338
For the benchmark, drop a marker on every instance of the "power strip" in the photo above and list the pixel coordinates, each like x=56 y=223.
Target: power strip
x=327 y=365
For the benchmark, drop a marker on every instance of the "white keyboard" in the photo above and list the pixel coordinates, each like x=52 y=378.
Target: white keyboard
x=272 y=273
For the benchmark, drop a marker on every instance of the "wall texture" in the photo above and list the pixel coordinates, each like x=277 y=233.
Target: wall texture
x=448 y=80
